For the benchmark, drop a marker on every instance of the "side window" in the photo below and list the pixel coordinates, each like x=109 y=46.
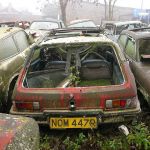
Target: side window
x=7 y=48
x=131 y=26
x=21 y=39
x=137 y=25
x=122 y=40
x=130 y=48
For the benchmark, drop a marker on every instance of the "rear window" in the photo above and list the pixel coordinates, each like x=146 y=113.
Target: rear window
x=22 y=41
x=7 y=48
x=44 y=25
x=120 y=28
x=144 y=46
x=83 y=24
x=109 y=26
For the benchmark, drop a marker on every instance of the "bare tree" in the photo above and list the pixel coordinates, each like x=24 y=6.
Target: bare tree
x=63 y=6
x=105 y=2
x=109 y=7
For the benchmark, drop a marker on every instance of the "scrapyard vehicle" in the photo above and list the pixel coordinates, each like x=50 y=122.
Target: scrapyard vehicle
x=136 y=46
x=8 y=24
x=83 y=23
x=76 y=81
x=114 y=28
x=38 y=28
x=14 y=47
x=18 y=133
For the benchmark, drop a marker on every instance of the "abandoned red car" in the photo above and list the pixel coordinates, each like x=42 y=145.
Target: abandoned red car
x=76 y=81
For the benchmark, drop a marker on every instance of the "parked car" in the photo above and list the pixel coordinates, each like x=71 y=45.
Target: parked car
x=76 y=81
x=83 y=23
x=136 y=46
x=114 y=28
x=8 y=24
x=23 y=24
x=43 y=26
x=14 y=47
x=18 y=133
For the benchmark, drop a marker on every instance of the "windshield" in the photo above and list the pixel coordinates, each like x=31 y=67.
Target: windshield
x=144 y=47
x=119 y=29
x=44 y=25
x=83 y=24
x=109 y=26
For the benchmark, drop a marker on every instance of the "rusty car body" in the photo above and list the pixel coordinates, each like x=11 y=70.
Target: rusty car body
x=14 y=47
x=136 y=46
x=76 y=81
x=18 y=133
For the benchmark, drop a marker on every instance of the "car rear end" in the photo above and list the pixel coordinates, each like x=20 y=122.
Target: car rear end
x=100 y=95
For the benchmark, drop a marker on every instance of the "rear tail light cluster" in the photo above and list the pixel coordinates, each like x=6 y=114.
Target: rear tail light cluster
x=121 y=103
x=27 y=105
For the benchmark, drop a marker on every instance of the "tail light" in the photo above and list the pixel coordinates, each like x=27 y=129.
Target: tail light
x=121 y=103
x=115 y=103
x=27 y=105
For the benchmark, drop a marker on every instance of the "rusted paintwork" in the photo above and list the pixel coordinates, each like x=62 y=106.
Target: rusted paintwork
x=89 y=101
x=18 y=133
x=11 y=63
x=141 y=64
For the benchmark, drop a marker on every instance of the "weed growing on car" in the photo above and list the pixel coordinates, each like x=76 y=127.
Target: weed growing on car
x=74 y=76
x=139 y=138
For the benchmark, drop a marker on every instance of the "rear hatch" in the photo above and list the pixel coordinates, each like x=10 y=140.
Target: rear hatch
x=77 y=76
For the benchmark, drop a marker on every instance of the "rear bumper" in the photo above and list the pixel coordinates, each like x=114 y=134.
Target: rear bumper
x=102 y=116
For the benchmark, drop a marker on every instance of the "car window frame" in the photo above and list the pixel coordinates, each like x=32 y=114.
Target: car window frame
x=15 y=54
x=15 y=40
x=129 y=37
x=122 y=47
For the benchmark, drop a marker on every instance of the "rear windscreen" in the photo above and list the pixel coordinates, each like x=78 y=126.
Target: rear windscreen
x=144 y=46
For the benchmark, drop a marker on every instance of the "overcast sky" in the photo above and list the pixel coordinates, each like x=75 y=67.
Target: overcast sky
x=32 y=5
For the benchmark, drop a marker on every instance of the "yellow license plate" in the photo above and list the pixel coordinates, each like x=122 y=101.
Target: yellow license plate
x=62 y=123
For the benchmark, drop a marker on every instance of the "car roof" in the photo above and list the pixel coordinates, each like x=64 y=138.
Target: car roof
x=79 y=20
x=138 y=33
x=77 y=39
x=47 y=20
x=5 y=31
x=122 y=22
